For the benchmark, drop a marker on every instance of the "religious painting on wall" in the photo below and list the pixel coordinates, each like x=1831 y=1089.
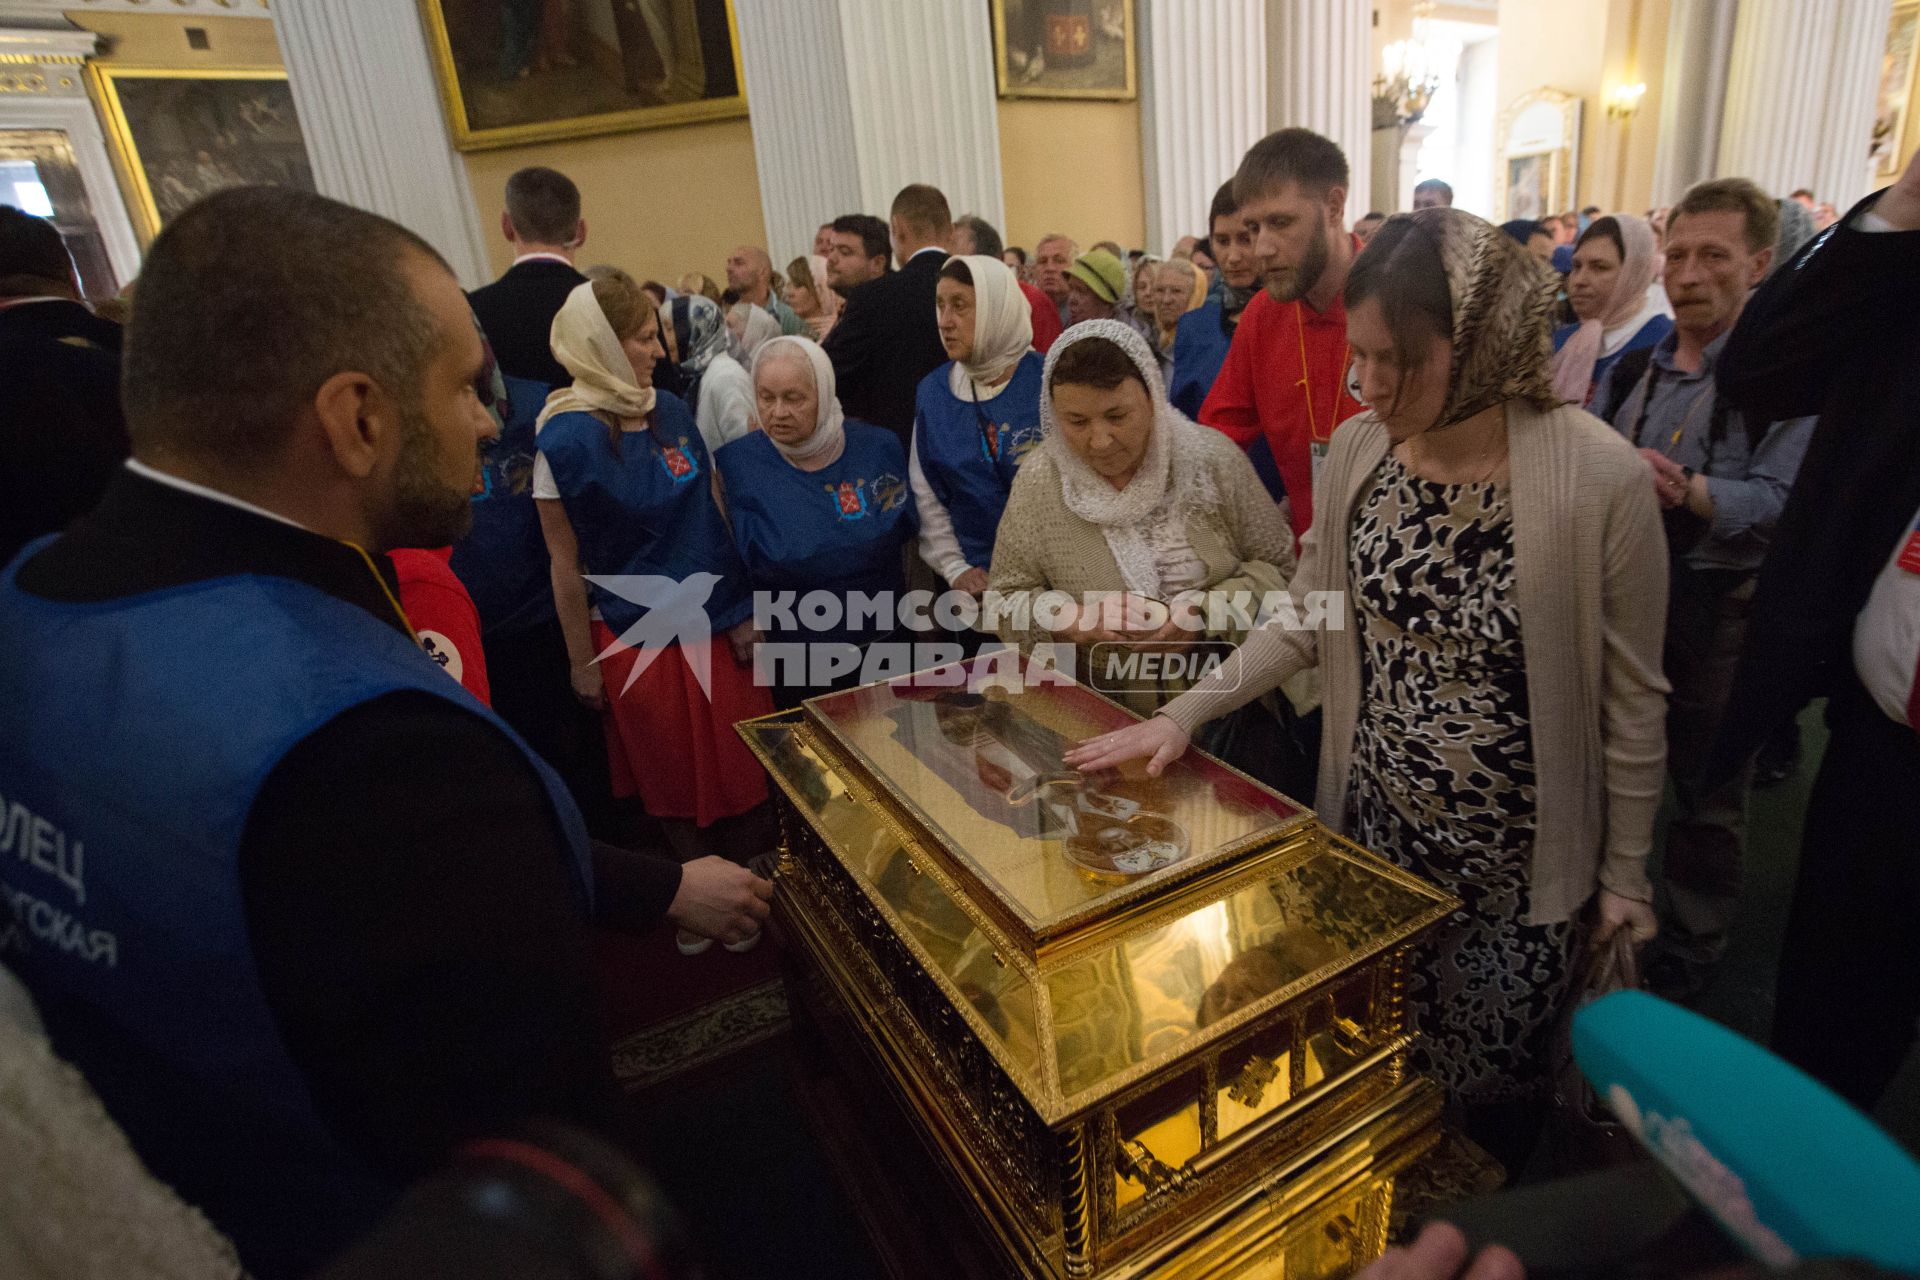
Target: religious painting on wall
x=1892 y=131
x=1529 y=186
x=180 y=135
x=1064 y=48
x=518 y=71
x=1539 y=154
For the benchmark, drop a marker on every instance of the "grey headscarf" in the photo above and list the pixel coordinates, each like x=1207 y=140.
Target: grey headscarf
x=1796 y=228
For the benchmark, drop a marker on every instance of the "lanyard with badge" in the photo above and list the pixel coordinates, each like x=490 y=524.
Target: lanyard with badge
x=1318 y=445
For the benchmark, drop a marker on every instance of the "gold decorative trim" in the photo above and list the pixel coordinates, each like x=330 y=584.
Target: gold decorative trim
x=48 y=59
x=467 y=138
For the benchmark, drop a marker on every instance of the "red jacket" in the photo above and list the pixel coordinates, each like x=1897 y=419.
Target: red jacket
x=1263 y=389
x=1046 y=318
x=443 y=616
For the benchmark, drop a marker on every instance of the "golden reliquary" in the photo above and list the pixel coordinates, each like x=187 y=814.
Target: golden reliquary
x=1146 y=1026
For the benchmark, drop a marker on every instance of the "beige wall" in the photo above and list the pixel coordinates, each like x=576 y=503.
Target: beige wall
x=1587 y=48
x=659 y=203
x=160 y=40
x=1073 y=167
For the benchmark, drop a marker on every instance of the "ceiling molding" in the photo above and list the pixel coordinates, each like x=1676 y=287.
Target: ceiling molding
x=12 y=11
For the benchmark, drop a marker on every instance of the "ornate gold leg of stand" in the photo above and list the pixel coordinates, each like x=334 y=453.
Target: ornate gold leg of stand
x=1075 y=1230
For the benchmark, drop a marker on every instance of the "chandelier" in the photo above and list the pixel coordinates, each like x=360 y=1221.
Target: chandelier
x=1410 y=74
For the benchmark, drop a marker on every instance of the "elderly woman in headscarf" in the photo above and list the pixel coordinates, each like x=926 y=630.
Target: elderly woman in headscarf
x=818 y=502
x=975 y=418
x=717 y=387
x=1615 y=305
x=625 y=489
x=810 y=297
x=1179 y=287
x=749 y=328
x=1134 y=512
x=1494 y=703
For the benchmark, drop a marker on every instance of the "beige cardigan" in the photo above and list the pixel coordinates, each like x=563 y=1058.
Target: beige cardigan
x=1590 y=580
x=1043 y=546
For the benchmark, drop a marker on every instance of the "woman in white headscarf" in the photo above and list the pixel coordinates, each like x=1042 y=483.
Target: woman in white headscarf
x=818 y=502
x=625 y=489
x=811 y=298
x=1615 y=306
x=975 y=418
x=749 y=328
x=1139 y=515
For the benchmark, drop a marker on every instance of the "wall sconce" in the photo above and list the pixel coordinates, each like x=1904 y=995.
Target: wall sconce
x=1625 y=100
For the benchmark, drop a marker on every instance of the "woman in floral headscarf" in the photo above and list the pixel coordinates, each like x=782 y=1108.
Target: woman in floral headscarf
x=1495 y=708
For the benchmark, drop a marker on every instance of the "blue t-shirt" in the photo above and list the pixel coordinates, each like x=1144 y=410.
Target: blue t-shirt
x=641 y=504
x=838 y=529
x=971 y=450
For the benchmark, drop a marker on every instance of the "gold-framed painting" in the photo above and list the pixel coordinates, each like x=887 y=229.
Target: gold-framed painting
x=1538 y=154
x=1893 y=132
x=1065 y=48
x=177 y=135
x=518 y=71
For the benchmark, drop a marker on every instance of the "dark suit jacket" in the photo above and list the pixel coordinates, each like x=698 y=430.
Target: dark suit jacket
x=61 y=434
x=885 y=342
x=1834 y=333
x=517 y=312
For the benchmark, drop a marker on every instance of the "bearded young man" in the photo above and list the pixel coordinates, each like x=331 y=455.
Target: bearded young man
x=305 y=913
x=1285 y=376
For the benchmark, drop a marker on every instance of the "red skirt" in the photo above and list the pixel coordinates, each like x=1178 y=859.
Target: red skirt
x=670 y=744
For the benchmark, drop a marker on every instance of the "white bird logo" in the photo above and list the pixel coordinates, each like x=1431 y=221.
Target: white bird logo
x=676 y=613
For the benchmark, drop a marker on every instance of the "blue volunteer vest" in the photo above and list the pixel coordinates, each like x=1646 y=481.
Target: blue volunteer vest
x=134 y=736
x=838 y=529
x=971 y=452
x=646 y=509
x=502 y=561
x=1200 y=343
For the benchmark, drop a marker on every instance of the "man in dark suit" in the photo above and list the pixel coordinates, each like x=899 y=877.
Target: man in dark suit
x=1837 y=615
x=61 y=434
x=542 y=222
x=887 y=338
x=527 y=664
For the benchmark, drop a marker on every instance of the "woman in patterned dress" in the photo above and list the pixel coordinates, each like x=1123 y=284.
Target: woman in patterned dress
x=1494 y=693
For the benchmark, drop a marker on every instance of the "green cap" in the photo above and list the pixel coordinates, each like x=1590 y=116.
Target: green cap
x=1101 y=272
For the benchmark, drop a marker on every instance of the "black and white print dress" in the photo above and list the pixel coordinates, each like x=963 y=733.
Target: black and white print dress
x=1443 y=781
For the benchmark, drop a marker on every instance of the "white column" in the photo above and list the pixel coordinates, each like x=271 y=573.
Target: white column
x=796 y=72
x=1853 y=85
x=363 y=83
x=921 y=92
x=1319 y=76
x=1776 y=89
x=1203 y=102
x=1693 y=92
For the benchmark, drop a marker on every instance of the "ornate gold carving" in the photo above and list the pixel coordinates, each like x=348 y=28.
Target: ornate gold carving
x=1251 y=1084
x=1076 y=1232
x=23 y=82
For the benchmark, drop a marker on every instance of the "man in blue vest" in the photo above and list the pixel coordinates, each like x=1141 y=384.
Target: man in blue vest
x=305 y=914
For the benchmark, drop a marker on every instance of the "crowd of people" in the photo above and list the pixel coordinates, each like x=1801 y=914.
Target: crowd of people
x=1602 y=501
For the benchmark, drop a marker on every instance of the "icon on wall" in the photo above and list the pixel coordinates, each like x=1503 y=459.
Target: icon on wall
x=1064 y=48
x=519 y=71
x=1892 y=127
x=180 y=135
